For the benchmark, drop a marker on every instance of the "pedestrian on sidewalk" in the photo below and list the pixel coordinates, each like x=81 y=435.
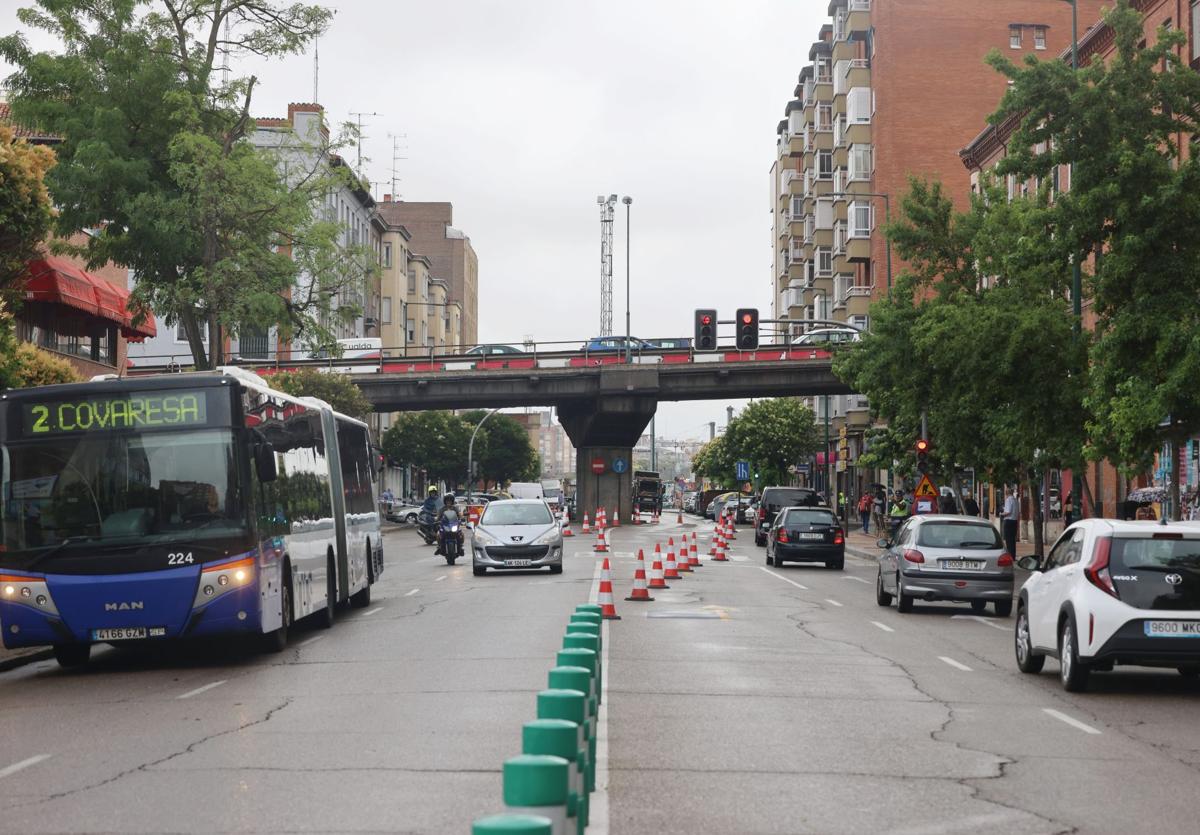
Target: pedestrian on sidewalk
x=1068 y=509
x=970 y=505
x=878 y=507
x=1009 y=520
x=864 y=511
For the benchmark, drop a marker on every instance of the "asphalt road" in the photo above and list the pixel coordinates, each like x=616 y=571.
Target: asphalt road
x=744 y=699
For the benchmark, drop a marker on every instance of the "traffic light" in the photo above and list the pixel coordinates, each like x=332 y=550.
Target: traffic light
x=923 y=447
x=706 y=330
x=747 y=328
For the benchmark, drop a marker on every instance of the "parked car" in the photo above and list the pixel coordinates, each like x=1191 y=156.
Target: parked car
x=718 y=502
x=1112 y=592
x=807 y=534
x=403 y=512
x=827 y=336
x=943 y=557
x=603 y=344
x=517 y=533
x=689 y=501
x=746 y=508
x=775 y=499
x=492 y=350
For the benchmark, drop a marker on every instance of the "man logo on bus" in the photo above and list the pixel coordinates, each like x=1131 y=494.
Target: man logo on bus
x=124 y=607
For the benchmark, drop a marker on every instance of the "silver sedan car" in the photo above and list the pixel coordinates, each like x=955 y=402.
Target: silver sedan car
x=945 y=557
x=517 y=534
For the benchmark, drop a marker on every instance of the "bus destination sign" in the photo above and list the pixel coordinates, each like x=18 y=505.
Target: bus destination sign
x=136 y=410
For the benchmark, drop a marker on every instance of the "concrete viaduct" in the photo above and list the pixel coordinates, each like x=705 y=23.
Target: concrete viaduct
x=604 y=409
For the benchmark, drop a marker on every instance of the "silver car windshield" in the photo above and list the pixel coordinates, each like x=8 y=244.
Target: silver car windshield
x=516 y=514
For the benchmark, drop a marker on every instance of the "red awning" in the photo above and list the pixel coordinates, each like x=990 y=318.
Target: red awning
x=58 y=281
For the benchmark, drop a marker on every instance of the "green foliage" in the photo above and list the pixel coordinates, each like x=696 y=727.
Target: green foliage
x=433 y=441
x=155 y=158
x=31 y=367
x=502 y=449
x=714 y=462
x=338 y=390
x=1133 y=200
x=25 y=212
x=772 y=435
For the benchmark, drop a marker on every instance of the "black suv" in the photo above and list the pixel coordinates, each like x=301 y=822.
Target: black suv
x=775 y=499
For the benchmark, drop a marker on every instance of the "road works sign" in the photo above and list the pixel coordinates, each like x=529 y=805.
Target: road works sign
x=925 y=496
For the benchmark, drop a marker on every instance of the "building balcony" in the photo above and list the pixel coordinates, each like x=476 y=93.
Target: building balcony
x=857 y=134
x=792 y=299
x=822 y=140
x=858 y=74
x=858 y=249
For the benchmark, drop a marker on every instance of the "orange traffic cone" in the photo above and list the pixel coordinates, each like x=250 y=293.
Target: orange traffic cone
x=656 y=571
x=640 y=592
x=566 y=524
x=720 y=555
x=671 y=572
x=601 y=522
x=607 y=610
x=655 y=519
x=693 y=557
x=680 y=519
x=587 y=528
x=730 y=531
x=616 y=519
x=681 y=562
x=601 y=544
x=712 y=545
x=637 y=515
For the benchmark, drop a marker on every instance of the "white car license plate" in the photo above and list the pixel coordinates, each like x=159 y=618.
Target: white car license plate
x=812 y=536
x=127 y=633
x=1172 y=628
x=516 y=563
x=963 y=565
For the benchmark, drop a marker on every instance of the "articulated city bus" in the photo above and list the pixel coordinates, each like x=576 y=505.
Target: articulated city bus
x=179 y=506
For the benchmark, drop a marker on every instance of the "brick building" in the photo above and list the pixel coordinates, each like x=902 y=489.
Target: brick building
x=451 y=256
x=892 y=89
x=990 y=145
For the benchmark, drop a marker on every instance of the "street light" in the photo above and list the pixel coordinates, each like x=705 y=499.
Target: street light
x=471 y=453
x=1077 y=268
x=887 y=219
x=628 y=201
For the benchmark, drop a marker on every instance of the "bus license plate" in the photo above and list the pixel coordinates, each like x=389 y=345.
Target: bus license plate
x=516 y=563
x=126 y=633
x=1172 y=628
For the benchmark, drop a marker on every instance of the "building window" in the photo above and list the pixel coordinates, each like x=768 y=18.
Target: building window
x=387 y=255
x=859 y=104
x=1014 y=37
x=181 y=334
x=861 y=162
x=862 y=220
x=1039 y=37
x=412 y=281
x=824 y=165
x=824 y=76
x=824 y=117
x=797 y=207
x=824 y=261
x=385 y=310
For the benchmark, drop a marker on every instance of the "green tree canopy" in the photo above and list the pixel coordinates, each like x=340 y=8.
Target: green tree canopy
x=155 y=158
x=25 y=214
x=338 y=390
x=434 y=441
x=502 y=449
x=772 y=435
x=714 y=462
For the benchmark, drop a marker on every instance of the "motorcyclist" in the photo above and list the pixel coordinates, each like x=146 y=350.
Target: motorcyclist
x=447 y=507
x=430 y=505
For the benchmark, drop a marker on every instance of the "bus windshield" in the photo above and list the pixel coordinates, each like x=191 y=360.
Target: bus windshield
x=120 y=487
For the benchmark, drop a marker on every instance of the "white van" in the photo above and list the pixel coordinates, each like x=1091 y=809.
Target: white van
x=526 y=490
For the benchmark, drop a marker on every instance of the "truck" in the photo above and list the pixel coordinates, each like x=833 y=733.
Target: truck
x=526 y=490
x=647 y=491
x=552 y=492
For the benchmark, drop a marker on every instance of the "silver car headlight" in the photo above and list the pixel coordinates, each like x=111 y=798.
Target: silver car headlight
x=550 y=537
x=484 y=539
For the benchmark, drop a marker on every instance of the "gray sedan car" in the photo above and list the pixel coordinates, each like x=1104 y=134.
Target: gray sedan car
x=945 y=557
x=517 y=534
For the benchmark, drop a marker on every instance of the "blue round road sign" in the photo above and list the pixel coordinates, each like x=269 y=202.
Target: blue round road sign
x=619 y=465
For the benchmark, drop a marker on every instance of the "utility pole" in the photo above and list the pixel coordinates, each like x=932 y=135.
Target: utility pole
x=712 y=429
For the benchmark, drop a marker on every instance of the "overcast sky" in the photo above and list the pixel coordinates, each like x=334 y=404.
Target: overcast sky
x=521 y=112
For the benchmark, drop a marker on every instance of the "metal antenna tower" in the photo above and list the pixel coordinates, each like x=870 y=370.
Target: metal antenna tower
x=607 y=209
x=360 y=138
x=396 y=137
x=316 y=71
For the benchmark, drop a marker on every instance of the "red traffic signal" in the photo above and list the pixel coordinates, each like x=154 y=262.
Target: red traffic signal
x=747 y=319
x=747 y=328
x=705 y=334
x=706 y=319
x=922 y=445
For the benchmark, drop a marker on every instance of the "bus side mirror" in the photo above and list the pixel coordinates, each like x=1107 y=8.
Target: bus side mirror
x=264 y=462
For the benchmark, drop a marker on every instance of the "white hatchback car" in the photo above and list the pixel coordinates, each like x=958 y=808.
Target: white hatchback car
x=1112 y=592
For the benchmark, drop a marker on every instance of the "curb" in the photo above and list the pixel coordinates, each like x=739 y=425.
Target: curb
x=13 y=662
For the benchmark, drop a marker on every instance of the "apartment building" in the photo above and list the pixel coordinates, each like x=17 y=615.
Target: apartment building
x=549 y=440
x=892 y=89
x=451 y=256
x=990 y=145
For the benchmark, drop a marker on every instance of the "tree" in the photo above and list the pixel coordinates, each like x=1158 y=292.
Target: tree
x=433 y=441
x=1134 y=204
x=502 y=449
x=714 y=462
x=25 y=213
x=154 y=158
x=338 y=390
x=772 y=435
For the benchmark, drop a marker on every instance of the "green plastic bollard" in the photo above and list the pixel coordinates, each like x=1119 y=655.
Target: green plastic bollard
x=580 y=657
x=589 y=607
x=537 y=784
x=574 y=678
x=594 y=617
x=560 y=738
x=513 y=825
x=587 y=627
x=572 y=706
x=581 y=640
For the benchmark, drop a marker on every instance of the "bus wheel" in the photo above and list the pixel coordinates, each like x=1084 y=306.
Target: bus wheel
x=277 y=641
x=361 y=599
x=325 y=617
x=72 y=655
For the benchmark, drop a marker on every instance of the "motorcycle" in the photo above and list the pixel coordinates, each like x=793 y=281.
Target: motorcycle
x=452 y=537
x=427 y=528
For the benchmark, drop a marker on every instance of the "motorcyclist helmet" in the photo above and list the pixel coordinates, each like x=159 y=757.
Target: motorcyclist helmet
x=433 y=491
x=448 y=500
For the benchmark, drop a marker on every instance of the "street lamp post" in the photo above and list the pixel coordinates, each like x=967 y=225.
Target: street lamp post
x=887 y=219
x=1076 y=267
x=628 y=201
x=471 y=453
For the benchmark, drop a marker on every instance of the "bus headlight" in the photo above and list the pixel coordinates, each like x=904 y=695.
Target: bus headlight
x=223 y=577
x=28 y=591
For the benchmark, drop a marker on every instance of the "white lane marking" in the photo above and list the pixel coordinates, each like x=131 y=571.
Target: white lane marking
x=833 y=602
x=312 y=640
x=785 y=579
x=598 y=811
x=411 y=593
x=882 y=626
x=855 y=579
x=1074 y=723
x=203 y=689
x=981 y=619
x=370 y=612
x=956 y=664
x=439 y=579
x=738 y=558
x=23 y=764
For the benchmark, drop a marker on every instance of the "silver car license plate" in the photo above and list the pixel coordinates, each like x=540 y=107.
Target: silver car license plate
x=1172 y=628
x=963 y=565
x=516 y=563
x=126 y=633
x=812 y=536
